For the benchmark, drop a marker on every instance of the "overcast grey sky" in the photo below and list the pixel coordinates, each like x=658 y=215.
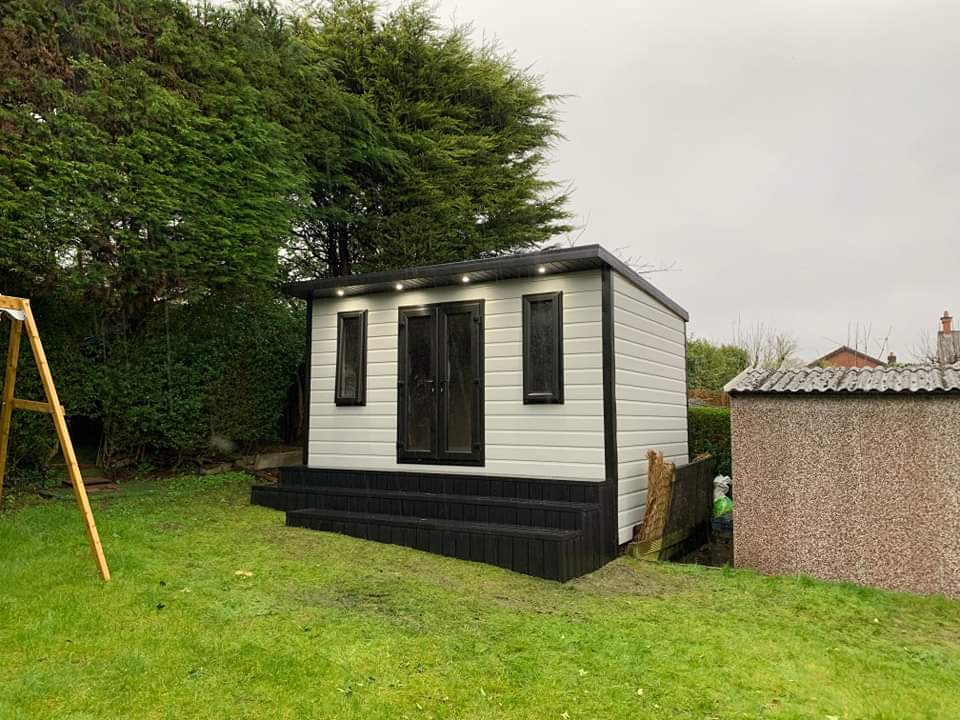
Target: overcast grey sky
x=798 y=162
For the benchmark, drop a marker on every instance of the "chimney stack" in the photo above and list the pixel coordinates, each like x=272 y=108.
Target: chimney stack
x=947 y=323
x=891 y=359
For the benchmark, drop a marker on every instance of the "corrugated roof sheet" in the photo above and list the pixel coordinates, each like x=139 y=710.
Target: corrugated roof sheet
x=900 y=379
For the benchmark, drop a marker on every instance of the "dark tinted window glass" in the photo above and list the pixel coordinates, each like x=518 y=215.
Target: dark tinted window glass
x=350 y=348
x=543 y=348
x=542 y=345
x=459 y=389
x=351 y=358
x=419 y=385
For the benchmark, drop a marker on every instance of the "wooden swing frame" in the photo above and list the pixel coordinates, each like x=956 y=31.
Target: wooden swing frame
x=20 y=316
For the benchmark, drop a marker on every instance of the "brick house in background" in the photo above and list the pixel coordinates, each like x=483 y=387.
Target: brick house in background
x=845 y=356
x=948 y=341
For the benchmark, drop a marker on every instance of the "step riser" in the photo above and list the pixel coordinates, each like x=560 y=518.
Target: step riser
x=470 y=485
x=468 y=509
x=556 y=560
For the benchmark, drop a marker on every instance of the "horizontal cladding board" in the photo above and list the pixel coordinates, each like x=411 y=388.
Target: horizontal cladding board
x=630 y=484
x=625 y=347
x=353 y=419
x=630 y=423
x=569 y=436
x=514 y=378
x=650 y=409
x=627 y=333
x=580 y=385
x=636 y=302
x=534 y=470
x=631 y=500
x=322 y=405
x=628 y=378
x=365 y=423
x=650 y=328
x=509 y=452
x=571 y=361
x=646 y=437
x=633 y=475
x=513 y=349
x=638 y=453
x=651 y=392
x=571 y=393
x=382 y=309
x=631 y=392
x=551 y=423
x=387 y=326
x=541 y=437
x=632 y=364
x=523 y=438
x=628 y=519
x=571 y=331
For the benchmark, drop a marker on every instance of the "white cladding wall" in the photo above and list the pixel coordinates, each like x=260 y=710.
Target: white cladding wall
x=651 y=392
x=543 y=441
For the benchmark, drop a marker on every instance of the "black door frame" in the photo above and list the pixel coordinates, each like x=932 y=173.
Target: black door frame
x=439 y=383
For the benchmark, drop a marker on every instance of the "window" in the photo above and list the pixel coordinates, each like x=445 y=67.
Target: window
x=351 y=383
x=543 y=348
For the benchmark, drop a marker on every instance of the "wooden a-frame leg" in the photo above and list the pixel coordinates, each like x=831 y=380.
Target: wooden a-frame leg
x=63 y=434
x=9 y=385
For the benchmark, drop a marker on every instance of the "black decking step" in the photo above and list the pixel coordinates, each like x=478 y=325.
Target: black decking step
x=467 y=508
x=441 y=483
x=554 y=553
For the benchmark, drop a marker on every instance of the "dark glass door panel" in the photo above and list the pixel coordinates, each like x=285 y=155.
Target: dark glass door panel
x=460 y=419
x=418 y=403
x=440 y=384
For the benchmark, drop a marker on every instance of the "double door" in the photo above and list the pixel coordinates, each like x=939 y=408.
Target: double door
x=440 y=384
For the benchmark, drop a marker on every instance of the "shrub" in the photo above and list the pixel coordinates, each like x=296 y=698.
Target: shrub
x=709 y=429
x=209 y=376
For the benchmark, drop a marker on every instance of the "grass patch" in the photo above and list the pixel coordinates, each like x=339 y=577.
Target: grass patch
x=333 y=627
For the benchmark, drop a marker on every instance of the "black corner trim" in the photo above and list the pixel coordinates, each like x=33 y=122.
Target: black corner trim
x=555 y=395
x=611 y=483
x=360 y=398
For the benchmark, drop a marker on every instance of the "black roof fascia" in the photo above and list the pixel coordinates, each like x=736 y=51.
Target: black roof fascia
x=503 y=267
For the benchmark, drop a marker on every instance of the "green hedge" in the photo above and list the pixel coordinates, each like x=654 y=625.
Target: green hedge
x=710 y=433
x=203 y=379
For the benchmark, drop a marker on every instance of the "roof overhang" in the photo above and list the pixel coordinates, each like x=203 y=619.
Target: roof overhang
x=492 y=269
x=903 y=380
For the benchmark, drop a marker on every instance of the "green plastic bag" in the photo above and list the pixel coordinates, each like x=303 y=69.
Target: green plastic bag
x=722 y=506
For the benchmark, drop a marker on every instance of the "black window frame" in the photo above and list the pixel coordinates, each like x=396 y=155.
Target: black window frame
x=360 y=398
x=555 y=395
x=437 y=454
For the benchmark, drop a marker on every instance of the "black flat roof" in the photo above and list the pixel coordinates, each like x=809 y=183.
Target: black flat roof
x=502 y=267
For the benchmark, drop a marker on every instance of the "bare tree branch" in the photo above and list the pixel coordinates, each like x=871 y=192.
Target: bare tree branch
x=767 y=348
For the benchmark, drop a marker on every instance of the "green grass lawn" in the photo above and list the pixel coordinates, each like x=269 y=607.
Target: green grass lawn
x=333 y=627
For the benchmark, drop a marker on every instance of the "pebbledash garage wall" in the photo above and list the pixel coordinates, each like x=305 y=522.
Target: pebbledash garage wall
x=850 y=474
x=566 y=441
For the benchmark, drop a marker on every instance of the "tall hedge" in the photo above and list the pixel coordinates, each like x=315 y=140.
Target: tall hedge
x=710 y=433
x=209 y=378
